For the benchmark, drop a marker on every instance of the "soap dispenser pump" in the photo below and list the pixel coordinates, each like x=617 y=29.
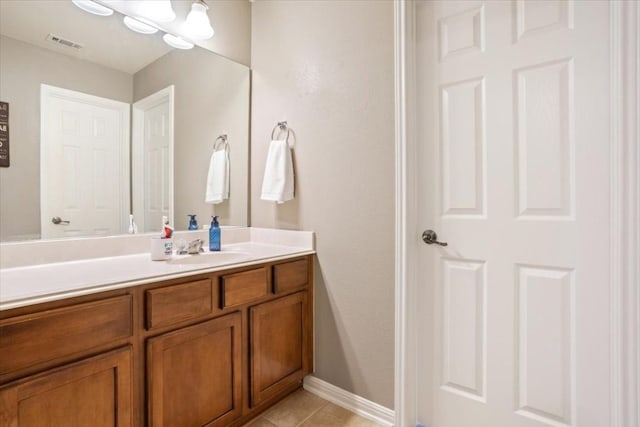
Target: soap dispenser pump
x=214 y=235
x=193 y=223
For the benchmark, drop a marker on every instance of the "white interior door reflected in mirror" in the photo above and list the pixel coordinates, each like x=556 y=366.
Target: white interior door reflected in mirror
x=118 y=64
x=152 y=162
x=84 y=145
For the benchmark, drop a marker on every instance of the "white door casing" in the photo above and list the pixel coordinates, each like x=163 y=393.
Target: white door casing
x=541 y=375
x=152 y=162
x=84 y=164
x=625 y=213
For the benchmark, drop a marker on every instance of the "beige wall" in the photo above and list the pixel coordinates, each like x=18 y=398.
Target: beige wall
x=231 y=21
x=211 y=98
x=23 y=67
x=327 y=68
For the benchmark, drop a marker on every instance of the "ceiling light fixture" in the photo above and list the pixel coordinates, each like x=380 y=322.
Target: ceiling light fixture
x=157 y=10
x=139 y=26
x=197 y=24
x=93 y=7
x=177 y=42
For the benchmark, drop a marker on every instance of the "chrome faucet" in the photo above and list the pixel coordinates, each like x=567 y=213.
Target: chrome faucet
x=195 y=247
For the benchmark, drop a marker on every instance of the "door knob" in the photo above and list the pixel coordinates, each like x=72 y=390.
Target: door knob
x=430 y=237
x=57 y=220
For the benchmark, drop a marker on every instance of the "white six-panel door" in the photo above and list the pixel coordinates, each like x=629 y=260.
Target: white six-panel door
x=84 y=164
x=512 y=129
x=152 y=163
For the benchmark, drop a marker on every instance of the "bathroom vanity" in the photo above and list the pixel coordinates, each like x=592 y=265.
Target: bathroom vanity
x=208 y=346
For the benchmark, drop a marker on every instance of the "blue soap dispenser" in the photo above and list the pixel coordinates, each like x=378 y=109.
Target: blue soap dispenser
x=193 y=223
x=214 y=234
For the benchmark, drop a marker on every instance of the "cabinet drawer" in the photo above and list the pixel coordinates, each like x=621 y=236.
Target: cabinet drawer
x=245 y=287
x=176 y=303
x=290 y=276
x=34 y=338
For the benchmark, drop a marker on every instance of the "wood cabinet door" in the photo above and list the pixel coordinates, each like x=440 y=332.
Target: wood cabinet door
x=94 y=392
x=194 y=374
x=280 y=345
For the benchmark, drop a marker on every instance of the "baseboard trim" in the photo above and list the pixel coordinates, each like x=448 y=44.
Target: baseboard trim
x=354 y=403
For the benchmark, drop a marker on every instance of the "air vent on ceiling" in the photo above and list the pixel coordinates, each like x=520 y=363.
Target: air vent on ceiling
x=64 y=42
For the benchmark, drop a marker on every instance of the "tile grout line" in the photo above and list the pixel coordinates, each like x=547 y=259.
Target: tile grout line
x=326 y=402
x=276 y=424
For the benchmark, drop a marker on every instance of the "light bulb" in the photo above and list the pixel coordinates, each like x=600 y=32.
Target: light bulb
x=93 y=7
x=177 y=42
x=157 y=10
x=139 y=26
x=197 y=24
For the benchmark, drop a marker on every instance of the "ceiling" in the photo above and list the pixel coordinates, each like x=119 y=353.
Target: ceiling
x=105 y=40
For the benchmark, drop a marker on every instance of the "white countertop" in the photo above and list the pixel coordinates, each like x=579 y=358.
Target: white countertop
x=26 y=284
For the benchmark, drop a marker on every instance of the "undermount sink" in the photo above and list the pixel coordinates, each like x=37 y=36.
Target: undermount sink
x=210 y=258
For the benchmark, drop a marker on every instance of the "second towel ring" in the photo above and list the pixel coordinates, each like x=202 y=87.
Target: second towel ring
x=281 y=126
x=223 y=142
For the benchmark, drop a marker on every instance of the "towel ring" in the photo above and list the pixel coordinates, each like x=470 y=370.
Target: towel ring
x=281 y=126
x=223 y=142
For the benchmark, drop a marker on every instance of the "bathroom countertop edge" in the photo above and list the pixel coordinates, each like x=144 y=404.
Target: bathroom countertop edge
x=155 y=271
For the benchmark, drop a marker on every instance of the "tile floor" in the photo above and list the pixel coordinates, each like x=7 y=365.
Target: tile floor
x=305 y=409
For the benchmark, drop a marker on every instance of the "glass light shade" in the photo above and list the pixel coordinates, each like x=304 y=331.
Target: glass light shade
x=93 y=7
x=177 y=42
x=157 y=10
x=197 y=24
x=139 y=26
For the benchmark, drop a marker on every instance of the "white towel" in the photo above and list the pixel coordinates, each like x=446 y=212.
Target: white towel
x=277 y=184
x=218 y=177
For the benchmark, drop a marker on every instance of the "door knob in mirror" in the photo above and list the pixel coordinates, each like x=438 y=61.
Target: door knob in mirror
x=57 y=220
x=430 y=237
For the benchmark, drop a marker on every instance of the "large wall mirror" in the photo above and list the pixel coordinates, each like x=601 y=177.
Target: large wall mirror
x=149 y=114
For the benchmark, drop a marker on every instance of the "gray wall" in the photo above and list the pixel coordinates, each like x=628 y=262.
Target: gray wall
x=23 y=67
x=211 y=98
x=327 y=68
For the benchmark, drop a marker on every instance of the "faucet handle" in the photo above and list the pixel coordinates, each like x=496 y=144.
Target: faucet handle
x=181 y=247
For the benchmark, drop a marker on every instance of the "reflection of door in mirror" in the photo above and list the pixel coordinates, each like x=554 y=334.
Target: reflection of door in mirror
x=84 y=143
x=152 y=161
x=211 y=98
